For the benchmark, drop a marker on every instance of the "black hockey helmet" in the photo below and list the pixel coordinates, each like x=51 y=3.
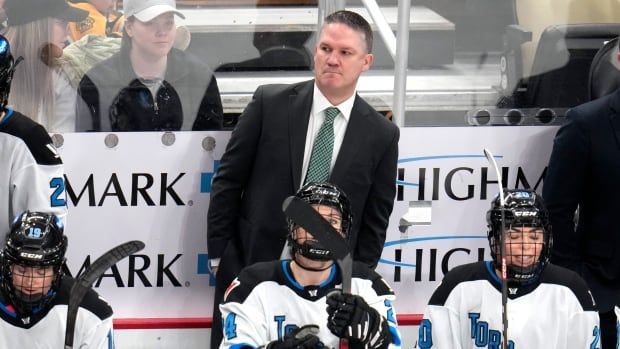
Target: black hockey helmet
x=36 y=240
x=523 y=208
x=325 y=194
x=7 y=68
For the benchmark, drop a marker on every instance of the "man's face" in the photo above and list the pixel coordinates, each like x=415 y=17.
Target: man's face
x=524 y=245
x=152 y=39
x=32 y=282
x=340 y=56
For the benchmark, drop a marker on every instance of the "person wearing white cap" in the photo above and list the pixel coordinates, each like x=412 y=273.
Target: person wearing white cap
x=149 y=85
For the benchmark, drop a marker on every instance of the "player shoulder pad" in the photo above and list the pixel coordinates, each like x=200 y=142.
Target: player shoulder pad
x=250 y=277
x=554 y=274
x=364 y=272
x=91 y=301
x=457 y=275
x=35 y=137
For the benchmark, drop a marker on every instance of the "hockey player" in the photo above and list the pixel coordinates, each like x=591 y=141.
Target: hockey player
x=31 y=174
x=282 y=304
x=34 y=293
x=548 y=306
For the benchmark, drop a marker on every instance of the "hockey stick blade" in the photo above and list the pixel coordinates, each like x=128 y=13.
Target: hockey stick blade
x=308 y=218
x=84 y=282
x=491 y=160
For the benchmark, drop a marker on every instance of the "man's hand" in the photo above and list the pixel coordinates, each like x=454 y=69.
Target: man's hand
x=350 y=317
x=213 y=265
x=304 y=337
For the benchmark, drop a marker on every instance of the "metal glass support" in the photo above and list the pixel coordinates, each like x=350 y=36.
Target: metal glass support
x=382 y=26
x=398 y=47
x=400 y=64
x=327 y=7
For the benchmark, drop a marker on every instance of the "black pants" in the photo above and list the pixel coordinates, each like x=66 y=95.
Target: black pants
x=608 y=329
x=216 y=328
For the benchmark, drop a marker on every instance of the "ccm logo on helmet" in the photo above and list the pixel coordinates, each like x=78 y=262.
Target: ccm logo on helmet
x=30 y=255
x=526 y=213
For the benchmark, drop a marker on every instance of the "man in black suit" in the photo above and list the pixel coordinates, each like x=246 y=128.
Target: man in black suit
x=583 y=172
x=269 y=155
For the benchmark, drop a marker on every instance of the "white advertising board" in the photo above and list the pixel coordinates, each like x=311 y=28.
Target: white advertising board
x=133 y=186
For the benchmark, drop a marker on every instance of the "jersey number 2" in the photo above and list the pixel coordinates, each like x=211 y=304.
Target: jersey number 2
x=58 y=184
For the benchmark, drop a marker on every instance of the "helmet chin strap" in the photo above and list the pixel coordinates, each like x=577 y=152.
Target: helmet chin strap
x=305 y=267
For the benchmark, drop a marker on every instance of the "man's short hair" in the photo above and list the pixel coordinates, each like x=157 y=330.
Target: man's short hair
x=353 y=21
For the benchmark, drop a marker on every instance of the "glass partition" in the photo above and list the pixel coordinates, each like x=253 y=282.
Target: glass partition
x=470 y=62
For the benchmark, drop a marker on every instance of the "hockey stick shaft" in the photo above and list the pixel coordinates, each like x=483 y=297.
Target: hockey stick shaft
x=504 y=267
x=84 y=282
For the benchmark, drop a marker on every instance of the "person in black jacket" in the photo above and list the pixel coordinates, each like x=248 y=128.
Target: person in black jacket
x=583 y=172
x=149 y=85
x=270 y=156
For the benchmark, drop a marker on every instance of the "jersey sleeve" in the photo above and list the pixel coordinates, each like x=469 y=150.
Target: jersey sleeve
x=584 y=330
x=441 y=326
x=242 y=324
x=380 y=297
x=38 y=187
x=100 y=336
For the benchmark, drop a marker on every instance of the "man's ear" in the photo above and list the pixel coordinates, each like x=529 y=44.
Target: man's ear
x=368 y=59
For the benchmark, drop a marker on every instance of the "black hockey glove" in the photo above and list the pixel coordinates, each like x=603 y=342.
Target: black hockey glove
x=304 y=337
x=350 y=317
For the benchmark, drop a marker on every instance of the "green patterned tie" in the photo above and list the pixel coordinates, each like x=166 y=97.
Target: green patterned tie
x=321 y=158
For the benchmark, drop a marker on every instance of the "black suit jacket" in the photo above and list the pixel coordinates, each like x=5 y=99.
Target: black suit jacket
x=584 y=170
x=262 y=165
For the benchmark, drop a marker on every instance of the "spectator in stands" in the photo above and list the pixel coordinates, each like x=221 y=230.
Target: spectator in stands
x=149 y=85
x=282 y=142
x=37 y=30
x=583 y=172
x=102 y=20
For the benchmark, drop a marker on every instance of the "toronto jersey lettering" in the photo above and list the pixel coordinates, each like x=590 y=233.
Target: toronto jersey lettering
x=265 y=302
x=46 y=329
x=31 y=174
x=557 y=311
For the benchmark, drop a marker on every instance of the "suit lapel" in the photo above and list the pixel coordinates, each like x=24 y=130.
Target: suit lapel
x=299 y=106
x=353 y=140
x=614 y=115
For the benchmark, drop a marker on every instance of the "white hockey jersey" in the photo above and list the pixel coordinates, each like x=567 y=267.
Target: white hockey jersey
x=31 y=172
x=465 y=311
x=46 y=329
x=265 y=302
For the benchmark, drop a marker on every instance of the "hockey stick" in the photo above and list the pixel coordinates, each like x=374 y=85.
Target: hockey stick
x=84 y=282
x=308 y=218
x=504 y=271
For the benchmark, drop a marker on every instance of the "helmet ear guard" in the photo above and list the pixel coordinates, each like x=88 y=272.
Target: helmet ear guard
x=523 y=209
